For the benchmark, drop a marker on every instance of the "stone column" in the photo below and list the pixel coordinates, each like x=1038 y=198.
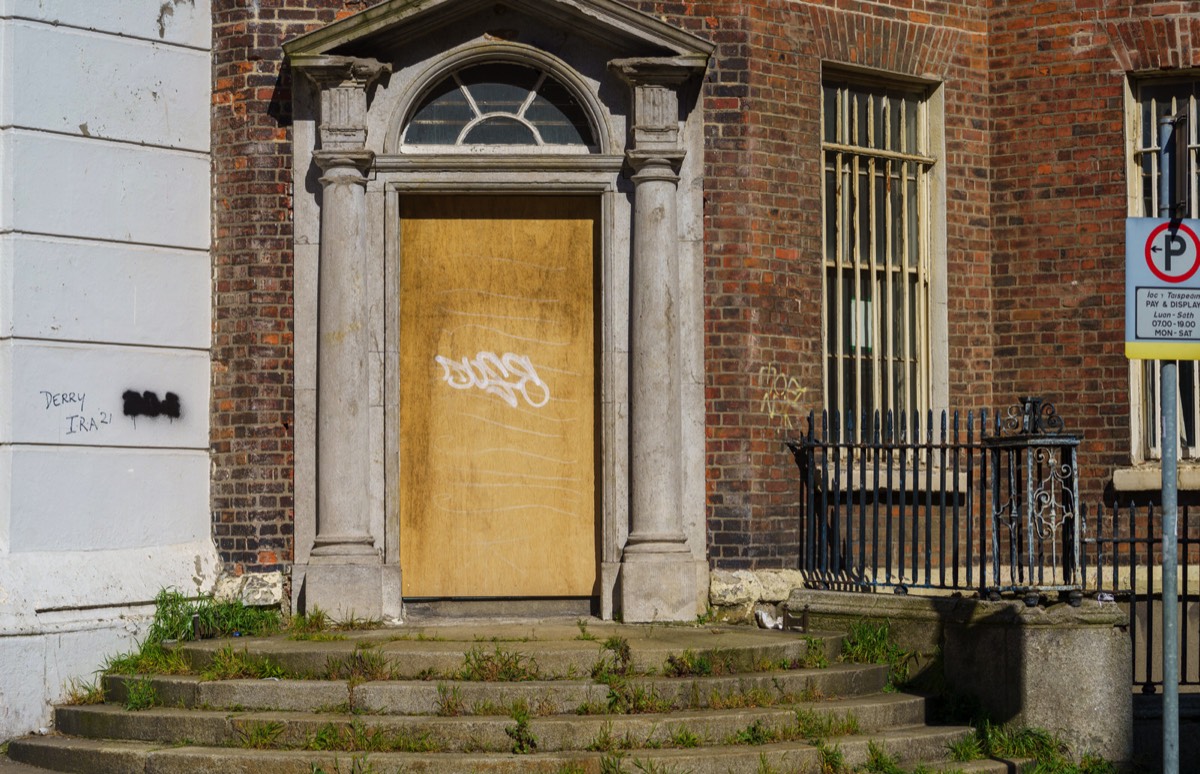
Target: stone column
x=344 y=575
x=658 y=572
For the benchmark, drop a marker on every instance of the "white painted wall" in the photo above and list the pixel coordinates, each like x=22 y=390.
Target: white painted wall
x=104 y=290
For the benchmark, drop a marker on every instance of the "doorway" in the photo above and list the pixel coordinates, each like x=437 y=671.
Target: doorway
x=498 y=396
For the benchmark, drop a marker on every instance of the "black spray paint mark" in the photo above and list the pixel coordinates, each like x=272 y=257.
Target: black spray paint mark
x=147 y=404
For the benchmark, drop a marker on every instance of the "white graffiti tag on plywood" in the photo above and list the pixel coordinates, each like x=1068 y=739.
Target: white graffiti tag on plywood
x=505 y=376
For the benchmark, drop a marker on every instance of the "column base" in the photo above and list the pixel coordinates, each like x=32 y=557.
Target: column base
x=348 y=589
x=658 y=587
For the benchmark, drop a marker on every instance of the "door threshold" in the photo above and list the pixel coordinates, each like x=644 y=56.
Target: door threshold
x=496 y=607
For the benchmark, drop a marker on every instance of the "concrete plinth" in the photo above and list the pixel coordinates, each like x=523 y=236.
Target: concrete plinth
x=346 y=590
x=657 y=587
x=1060 y=668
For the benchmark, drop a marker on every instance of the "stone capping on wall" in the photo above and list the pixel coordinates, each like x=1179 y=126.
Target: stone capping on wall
x=1057 y=667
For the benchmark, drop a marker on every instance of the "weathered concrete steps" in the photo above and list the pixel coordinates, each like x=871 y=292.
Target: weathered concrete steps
x=532 y=696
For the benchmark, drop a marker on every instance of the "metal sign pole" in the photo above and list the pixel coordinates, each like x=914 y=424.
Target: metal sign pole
x=1170 y=488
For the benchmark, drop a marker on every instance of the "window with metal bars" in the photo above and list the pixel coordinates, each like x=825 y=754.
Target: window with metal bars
x=877 y=169
x=1148 y=101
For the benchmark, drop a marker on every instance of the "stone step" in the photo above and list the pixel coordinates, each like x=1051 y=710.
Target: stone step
x=425 y=697
x=545 y=654
x=907 y=745
x=174 y=725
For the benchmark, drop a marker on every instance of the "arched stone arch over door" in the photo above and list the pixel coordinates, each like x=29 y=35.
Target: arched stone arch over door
x=558 y=135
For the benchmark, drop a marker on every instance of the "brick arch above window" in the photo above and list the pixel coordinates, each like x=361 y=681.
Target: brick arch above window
x=1155 y=44
x=890 y=45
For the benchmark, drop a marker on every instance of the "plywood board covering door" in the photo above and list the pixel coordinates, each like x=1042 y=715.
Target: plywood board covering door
x=497 y=401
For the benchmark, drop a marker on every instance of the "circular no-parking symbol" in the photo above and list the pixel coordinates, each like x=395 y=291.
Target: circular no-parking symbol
x=1173 y=252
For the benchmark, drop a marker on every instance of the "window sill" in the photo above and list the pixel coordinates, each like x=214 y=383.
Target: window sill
x=1148 y=477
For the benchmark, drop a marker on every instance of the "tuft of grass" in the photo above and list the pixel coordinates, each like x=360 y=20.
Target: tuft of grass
x=584 y=634
x=355 y=736
x=611 y=764
x=523 y=740
x=682 y=736
x=604 y=741
x=150 y=658
x=497 y=666
x=358 y=667
x=81 y=693
x=179 y=617
x=870 y=642
x=260 y=735
x=571 y=767
x=358 y=765
x=228 y=664
x=628 y=697
x=1050 y=754
x=688 y=664
x=746 y=698
x=764 y=765
x=615 y=662
x=814 y=654
x=879 y=762
x=815 y=726
x=140 y=694
x=1015 y=742
x=757 y=733
x=965 y=749
x=449 y=702
x=830 y=760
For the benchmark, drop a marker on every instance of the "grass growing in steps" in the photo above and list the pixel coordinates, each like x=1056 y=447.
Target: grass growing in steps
x=228 y=664
x=870 y=642
x=179 y=618
x=83 y=693
x=500 y=665
x=140 y=694
x=1051 y=754
x=355 y=736
x=806 y=726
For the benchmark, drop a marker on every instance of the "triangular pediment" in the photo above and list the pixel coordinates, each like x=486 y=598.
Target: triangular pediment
x=389 y=25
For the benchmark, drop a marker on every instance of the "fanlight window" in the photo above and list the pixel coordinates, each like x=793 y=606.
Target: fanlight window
x=500 y=104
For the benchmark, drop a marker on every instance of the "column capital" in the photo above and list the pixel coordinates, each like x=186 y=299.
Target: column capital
x=343 y=82
x=655 y=82
x=654 y=165
x=344 y=165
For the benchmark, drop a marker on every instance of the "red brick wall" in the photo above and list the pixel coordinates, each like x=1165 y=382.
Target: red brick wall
x=1034 y=168
x=763 y=229
x=1059 y=203
x=252 y=406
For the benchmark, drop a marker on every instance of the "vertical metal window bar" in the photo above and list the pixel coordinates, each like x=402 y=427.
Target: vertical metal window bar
x=875 y=251
x=1154 y=100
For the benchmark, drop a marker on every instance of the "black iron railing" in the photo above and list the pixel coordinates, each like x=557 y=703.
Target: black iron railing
x=1122 y=563
x=978 y=503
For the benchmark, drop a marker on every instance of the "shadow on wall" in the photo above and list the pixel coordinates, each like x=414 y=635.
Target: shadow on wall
x=1147 y=732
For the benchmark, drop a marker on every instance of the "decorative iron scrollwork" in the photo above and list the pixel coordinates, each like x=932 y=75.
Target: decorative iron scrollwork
x=1032 y=416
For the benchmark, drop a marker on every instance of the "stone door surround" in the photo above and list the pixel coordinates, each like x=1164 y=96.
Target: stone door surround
x=636 y=79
